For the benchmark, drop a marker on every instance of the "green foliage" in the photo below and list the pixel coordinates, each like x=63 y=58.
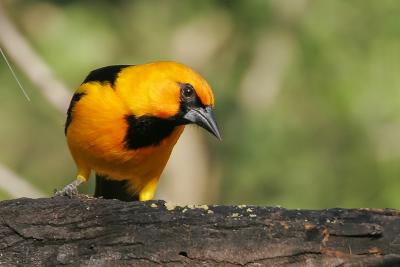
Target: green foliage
x=328 y=137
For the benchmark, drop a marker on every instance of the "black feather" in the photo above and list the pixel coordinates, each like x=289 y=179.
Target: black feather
x=106 y=74
x=150 y=131
x=75 y=98
x=112 y=189
x=147 y=131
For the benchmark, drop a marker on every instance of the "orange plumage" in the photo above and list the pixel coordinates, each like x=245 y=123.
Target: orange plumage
x=124 y=121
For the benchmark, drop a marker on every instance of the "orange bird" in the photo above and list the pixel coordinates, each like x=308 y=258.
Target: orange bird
x=124 y=120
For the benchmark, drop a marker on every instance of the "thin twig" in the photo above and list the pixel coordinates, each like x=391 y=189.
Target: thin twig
x=29 y=63
x=32 y=65
x=14 y=75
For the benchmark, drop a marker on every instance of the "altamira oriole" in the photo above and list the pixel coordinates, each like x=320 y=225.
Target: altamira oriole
x=124 y=120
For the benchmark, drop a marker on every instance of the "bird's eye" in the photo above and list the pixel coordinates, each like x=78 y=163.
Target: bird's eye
x=187 y=90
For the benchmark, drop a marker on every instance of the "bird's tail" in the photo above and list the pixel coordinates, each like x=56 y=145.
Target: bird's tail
x=111 y=189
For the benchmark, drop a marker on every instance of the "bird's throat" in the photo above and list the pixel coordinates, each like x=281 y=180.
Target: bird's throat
x=147 y=131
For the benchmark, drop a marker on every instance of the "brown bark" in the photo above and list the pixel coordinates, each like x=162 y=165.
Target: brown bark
x=97 y=232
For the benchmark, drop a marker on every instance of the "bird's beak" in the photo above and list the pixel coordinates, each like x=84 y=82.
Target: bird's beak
x=204 y=117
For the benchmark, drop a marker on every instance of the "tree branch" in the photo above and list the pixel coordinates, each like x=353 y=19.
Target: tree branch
x=97 y=232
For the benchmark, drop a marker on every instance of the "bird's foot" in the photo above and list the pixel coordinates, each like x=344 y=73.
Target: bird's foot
x=69 y=190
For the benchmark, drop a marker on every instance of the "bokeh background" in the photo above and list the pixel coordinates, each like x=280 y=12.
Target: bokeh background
x=308 y=95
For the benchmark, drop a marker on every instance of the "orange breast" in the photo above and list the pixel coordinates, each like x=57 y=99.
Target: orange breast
x=96 y=138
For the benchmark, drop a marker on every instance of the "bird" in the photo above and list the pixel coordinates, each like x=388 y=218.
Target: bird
x=124 y=120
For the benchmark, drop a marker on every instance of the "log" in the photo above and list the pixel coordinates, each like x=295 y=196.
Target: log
x=84 y=231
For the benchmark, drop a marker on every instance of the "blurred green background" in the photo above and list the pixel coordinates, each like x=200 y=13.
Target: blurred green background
x=308 y=92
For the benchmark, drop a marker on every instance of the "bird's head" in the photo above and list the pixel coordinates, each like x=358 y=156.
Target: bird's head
x=168 y=90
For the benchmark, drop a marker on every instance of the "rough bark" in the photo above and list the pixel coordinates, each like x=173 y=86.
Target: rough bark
x=97 y=232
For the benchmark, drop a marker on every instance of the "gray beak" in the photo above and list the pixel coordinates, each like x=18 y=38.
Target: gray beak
x=204 y=117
